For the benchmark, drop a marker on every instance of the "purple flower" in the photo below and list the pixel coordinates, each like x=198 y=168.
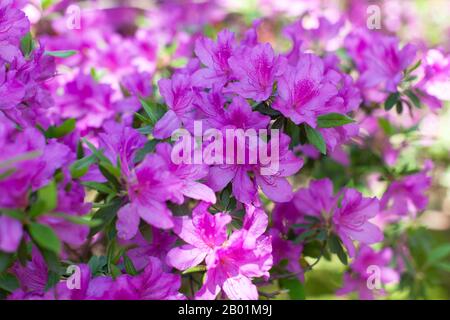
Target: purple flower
x=161 y=243
x=407 y=195
x=435 y=78
x=70 y=202
x=202 y=233
x=215 y=57
x=274 y=184
x=351 y=220
x=90 y=288
x=322 y=36
x=316 y=200
x=234 y=265
x=153 y=182
x=13 y=24
x=31 y=163
x=120 y=141
x=379 y=59
x=149 y=186
x=283 y=249
x=231 y=263
x=33 y=276
x=256 y=72
x=304 y=90
x=87 y=101
x=152 y=284
x=186 y=177
x=178 y=95
x=10 y=233
x=348 y=212
x=23 y=82
x=366 y=262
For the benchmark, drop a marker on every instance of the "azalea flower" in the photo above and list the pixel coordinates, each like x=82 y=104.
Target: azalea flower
x=362 y=268
x=178 y=95
x=231 y=262
x=348 y=212
x=256 y=72
x=304 y=90
x=153 y=182
x=215 y=57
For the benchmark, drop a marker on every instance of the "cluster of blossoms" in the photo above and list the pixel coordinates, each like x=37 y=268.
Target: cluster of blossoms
x=87 y=176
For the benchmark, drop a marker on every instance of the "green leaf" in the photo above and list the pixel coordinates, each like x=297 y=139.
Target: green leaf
x=45 y=237
x=61 y=53
x=145 y=130
x=199 y=268
x=114 y=271
x=293 y=131
x=143 y=119
x=399 y=107
x=443 y=266
x=80 y=167
x=101 y=187
x=111 y=173
x=52 y=261
x=23 y=254
x=97 y=264
x=52 y=280
x=65 y=128
x=5 y=260
x=97 y=153
x=413 y=98
x=78 y=219
x=332 y=120
x=316 y=139
x=391 y=100
x=386 y=126
x=312 y=218
x=47 y=198
x=27 y=45
x=21 y=157
x=106 y=215
x=295 y=287
x=267 y=110
x=179 y=62
x=278 y=123
x=14 y=213
x=304 y=235
x=301 y=225
x=153 y=111
x=7 y=173
x=335 y=246
x=148 y=148
x=414 y=67
x=438 y=254
x=129 y=266
x=8 y=282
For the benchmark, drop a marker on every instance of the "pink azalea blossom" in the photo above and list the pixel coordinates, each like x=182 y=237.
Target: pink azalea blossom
x=407 y=196
x=215 y=57
x=256 y=72
x=178 y=95
x=351 y=220
x=11 y=233
x=304 y=90
x=231 y=262
x=362 y=268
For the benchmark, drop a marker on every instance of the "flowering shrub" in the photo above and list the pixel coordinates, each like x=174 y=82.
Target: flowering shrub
x=176 y=152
